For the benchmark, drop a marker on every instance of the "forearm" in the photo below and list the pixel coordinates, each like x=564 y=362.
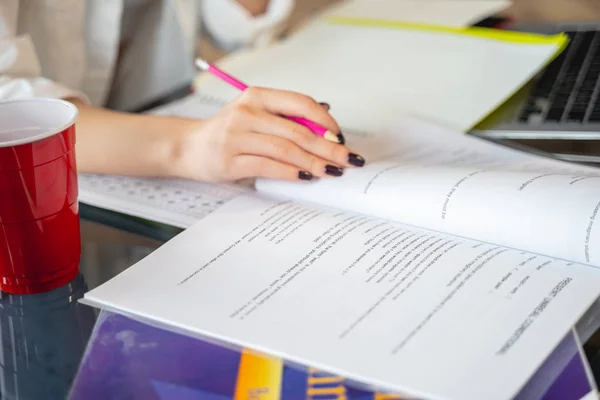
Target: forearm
x=110 y=142
x=246 y=139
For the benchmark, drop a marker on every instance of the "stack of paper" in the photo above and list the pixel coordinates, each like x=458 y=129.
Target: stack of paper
x=447 y=268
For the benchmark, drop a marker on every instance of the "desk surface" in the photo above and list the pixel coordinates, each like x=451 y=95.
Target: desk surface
x=526 y=10
x=555 y=10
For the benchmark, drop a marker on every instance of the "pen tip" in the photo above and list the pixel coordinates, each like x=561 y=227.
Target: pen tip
x=332 y=137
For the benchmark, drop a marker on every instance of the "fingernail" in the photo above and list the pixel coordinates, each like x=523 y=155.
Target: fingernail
x=356 y=160
x=333 y=171
x=326 y=105
x=305 y=176
x=341 y=138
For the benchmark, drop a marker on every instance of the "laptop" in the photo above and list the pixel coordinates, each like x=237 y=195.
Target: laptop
x=562 y=103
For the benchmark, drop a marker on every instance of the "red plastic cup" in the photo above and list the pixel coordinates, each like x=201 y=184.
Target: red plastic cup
x=40 y=244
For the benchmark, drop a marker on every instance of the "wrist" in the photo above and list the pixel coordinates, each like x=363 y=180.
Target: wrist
x=175 y=150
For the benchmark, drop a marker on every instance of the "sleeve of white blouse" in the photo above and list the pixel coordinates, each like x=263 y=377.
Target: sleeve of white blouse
x=231 y=26
x=20 y=71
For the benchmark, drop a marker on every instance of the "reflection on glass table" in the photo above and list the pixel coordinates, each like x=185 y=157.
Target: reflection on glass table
x=129 y=359
x=44 y=336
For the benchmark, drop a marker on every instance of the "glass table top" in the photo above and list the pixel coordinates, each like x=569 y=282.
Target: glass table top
x=45 y=336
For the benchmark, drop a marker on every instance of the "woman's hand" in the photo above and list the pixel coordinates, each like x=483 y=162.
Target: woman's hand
x=249 y=138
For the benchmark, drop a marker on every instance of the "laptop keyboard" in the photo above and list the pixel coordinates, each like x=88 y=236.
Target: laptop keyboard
x=568 y=89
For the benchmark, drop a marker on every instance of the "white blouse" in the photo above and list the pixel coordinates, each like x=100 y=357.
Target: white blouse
x=122 y=54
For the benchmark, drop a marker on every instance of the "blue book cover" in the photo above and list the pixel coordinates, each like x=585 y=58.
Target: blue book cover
x=127 y=359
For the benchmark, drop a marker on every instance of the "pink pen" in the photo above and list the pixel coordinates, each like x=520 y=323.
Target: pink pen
x=314 y=127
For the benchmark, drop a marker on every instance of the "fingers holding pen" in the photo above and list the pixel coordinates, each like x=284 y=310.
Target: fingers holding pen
x=286 y=151
x=314 y=146
x=269 y=128
x=253 y=137
x=295 y=106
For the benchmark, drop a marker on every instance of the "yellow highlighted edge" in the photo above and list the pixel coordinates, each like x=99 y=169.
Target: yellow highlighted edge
x=560 y=40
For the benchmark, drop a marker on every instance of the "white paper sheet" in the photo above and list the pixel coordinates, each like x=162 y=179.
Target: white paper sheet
x=176 y=203
x=427 y=176
x=386 y=304
x=370 y=76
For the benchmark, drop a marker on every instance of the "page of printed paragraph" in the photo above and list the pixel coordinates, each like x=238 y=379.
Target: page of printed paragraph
x=398 y=307
x=426 y=176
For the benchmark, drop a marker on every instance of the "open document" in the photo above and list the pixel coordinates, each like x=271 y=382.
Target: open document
x=427 y=176
x=448 y=268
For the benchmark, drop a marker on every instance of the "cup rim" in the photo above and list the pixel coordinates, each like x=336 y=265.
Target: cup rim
x=50 y=132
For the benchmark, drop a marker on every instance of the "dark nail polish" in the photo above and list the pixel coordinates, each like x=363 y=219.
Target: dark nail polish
x=341 y=138
x=333 y=171
x=356 y=160
x=326 y=105
x=305 y=176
